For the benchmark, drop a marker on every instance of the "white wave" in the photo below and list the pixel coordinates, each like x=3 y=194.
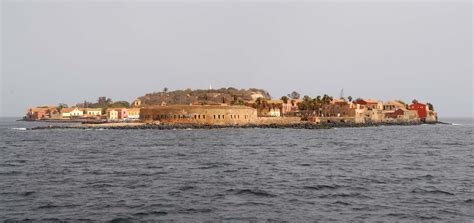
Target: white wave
x=22 y=129
x=456 y=124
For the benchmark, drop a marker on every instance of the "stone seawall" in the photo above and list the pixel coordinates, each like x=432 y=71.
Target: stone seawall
x=300 y=125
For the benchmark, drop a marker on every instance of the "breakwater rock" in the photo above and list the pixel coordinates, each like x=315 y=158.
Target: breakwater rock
x=302 y=125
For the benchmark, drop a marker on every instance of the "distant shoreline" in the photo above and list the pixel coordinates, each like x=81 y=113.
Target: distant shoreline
x=303 y=125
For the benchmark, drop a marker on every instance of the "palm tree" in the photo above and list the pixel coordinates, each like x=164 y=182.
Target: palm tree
x=305 y=105
x=61 y=106
x=327 y=99
x=306 y=98
x=260 y=103
x=318 y=99
x=314 y=104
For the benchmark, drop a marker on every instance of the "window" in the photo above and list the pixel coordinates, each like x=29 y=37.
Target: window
x=222 y=116
x=214 y=116
x=195 y=116
x=203 y=116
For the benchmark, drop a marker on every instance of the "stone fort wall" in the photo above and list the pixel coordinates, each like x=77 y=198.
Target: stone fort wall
x=278 y=120
x=200 y=114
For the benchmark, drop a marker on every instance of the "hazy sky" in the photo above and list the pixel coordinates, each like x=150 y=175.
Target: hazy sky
x=69 y=51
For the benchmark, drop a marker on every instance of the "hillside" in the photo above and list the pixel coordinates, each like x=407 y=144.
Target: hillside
x=213 y=96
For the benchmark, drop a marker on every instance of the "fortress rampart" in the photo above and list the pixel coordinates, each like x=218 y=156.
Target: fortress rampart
x=199 y=114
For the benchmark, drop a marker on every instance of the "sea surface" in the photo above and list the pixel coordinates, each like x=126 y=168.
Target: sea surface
x=393 y=173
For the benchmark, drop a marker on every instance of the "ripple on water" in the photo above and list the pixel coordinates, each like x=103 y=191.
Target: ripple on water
x=252 y=192
x=322 y=187
x=431 y=192
x=410 y=173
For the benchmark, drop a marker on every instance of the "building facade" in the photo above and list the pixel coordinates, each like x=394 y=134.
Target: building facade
x=200 y=114
x=134 y=113
x=92 y=111
x=71 y=112
x=37 y=113
x=122 y=113
x=422 y=110
x=137 y=103
x=338 y=108
x=370 y=104
x=112 y=114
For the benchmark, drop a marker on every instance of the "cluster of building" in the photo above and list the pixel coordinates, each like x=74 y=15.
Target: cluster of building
x=359 y=111
x=279 y=111
x=273 y=111
x=55 y=113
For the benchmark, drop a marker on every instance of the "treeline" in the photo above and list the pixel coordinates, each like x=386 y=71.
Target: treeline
x=102 y=102
x=306 y=104
x=314 y=104
x=229 y=95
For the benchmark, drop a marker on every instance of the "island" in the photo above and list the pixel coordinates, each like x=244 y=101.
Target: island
x=231 y=107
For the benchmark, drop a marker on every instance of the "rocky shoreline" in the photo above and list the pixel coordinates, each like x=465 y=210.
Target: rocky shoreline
x=303 y=125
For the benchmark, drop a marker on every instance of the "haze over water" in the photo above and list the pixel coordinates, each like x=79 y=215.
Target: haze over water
x=377 y=173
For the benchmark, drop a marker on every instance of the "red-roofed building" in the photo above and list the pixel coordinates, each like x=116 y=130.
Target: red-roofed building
x=37 y=113
x=370 y=104
x=397 y=113
x=421 y=108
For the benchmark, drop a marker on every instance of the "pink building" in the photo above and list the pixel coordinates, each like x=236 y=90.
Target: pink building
x=122 y=113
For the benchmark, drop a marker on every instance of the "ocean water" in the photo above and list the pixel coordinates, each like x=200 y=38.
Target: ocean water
x=394 y=173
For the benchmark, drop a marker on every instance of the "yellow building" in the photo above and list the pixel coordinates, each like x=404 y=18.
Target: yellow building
x=71 y=112
x=137 y=103
x=134 y=113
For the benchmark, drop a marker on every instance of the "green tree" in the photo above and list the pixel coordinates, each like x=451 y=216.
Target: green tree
x=104 y=101
x=294 y=95
x=240 y=102
x=284 y=99
x=326 y=99
x=430 y=106
x=61 y=106
x=120 y=104
x=260 y=104
x=165 y=89
x=349 y=98
x=414 y=101
x=319 y=100
x=306 y=104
